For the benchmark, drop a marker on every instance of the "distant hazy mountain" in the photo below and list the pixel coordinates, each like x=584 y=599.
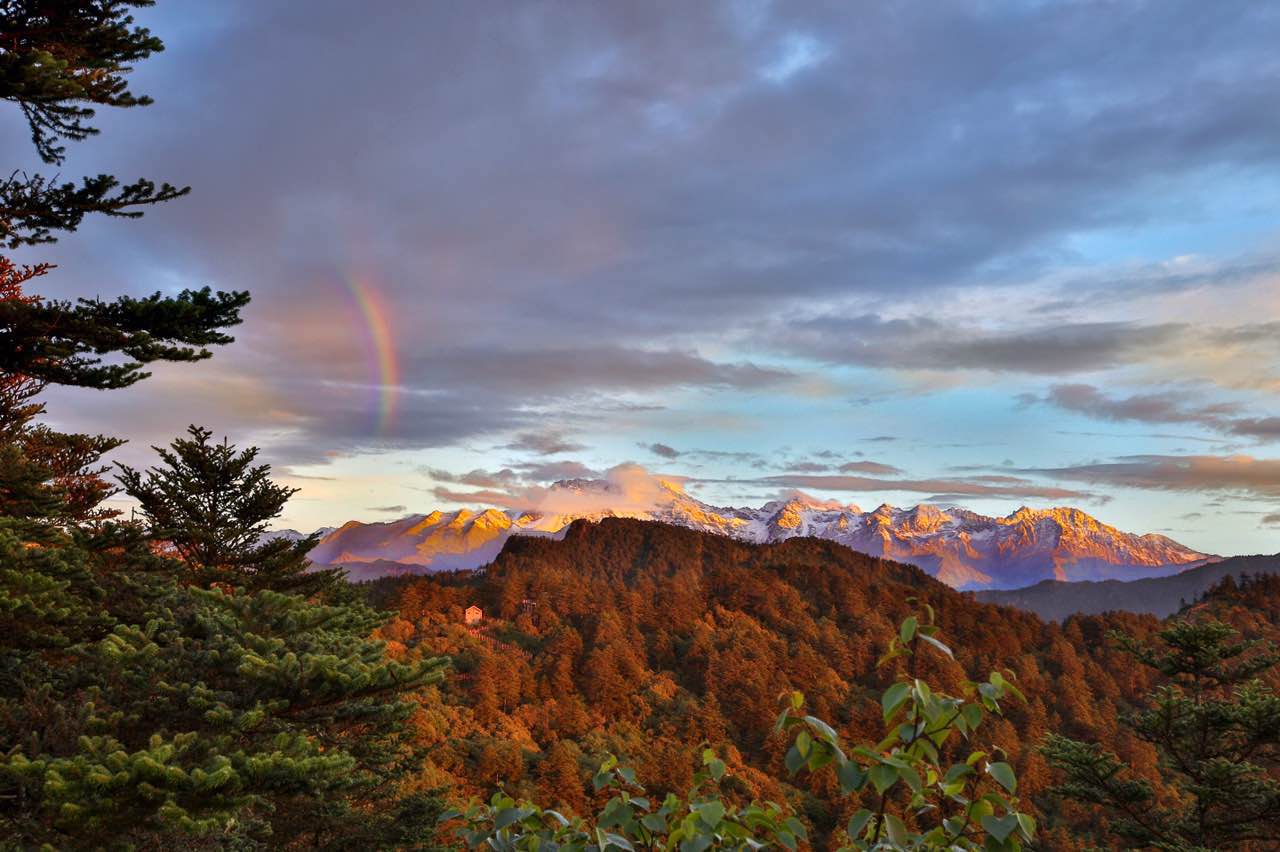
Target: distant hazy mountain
x=961 y=548
x=1160 y=596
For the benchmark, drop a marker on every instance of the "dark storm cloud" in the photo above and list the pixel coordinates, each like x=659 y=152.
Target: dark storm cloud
x=521 y=182
x=1239 y=474
x=662 y=450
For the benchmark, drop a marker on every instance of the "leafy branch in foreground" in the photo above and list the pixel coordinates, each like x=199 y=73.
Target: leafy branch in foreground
x=922 y=799
x=1217 y=727
x=629 y=820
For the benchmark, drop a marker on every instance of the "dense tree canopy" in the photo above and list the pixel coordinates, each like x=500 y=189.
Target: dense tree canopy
x=1216 y=725
x=647 y=641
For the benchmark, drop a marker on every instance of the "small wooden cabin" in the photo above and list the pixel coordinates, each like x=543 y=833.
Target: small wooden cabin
x=473 y=615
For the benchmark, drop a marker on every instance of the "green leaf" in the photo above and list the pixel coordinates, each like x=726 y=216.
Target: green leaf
x=710 y=812
x=824 y=730
x=895 y=828
x=1027 y=823
x=508 y=816
x=851 y=777
x=935 y=643
x=883 y=777
x=657 y=823
x=1003 y=773
x=796 y=827
x=911 y=777
x=893 y=698
x=1000 y=827
x=908 y=630
x=857 y=823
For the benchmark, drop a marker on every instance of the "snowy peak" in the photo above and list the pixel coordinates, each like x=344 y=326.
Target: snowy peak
x=961 y=548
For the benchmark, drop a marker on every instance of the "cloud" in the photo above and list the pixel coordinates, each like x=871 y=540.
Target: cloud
x=808 y=499
x=1170 y=406
x=387 y=509
x=662 y=450
x=623 y=488
x=877 y=468
x=1262 y=428
x=545 y=443
x=1164 y=407
x=978 y=486
x=556 y=470
x=1236 y=474
x=924 y=343
x=1271 y=520
x=476 y=478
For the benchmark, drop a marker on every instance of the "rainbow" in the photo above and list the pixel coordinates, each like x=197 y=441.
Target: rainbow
x=380 y=346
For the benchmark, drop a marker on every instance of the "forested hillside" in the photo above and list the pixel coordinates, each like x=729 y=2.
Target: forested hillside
x=646 y=640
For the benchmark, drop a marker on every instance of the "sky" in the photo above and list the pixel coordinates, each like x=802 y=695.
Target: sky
x=991 y=254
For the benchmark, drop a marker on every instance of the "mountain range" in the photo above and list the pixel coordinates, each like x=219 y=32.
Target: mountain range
x=963 y=549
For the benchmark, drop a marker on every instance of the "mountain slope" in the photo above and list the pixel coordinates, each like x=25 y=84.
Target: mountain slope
x=648 y=641
x=1159 y=596
x=961 y=548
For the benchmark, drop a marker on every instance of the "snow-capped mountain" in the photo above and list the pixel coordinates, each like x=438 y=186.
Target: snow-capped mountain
x=295 y=535
x=959 y=547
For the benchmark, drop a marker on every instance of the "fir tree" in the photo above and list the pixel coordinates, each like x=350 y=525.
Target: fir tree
x=60 y=342
x=213 y=506
x=1217 y=728
x=139 y=706
x=61 y=59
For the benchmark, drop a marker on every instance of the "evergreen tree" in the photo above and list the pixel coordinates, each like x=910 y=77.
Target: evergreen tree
x=1217 y=728
x=136 y=706
x=213 y=506
x=61 y=58
x=142 y=706
x=61 y=342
